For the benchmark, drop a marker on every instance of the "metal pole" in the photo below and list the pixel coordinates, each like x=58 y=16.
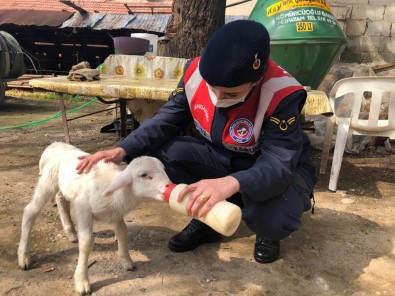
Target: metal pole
x=237 y=3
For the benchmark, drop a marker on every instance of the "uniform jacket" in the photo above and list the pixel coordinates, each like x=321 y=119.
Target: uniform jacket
x=261 y=139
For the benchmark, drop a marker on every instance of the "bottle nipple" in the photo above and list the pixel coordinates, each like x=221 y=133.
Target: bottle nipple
x=169 y=189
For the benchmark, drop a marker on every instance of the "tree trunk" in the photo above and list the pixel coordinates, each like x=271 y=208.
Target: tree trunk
x=193 y=23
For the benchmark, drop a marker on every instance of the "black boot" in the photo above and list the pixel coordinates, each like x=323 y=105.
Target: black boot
x=192 y=236
x=266 y=251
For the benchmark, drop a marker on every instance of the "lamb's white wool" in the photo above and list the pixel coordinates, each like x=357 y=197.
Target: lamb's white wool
x=106 y=193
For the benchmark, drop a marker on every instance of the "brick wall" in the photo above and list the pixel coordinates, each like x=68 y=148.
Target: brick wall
x=370 y=27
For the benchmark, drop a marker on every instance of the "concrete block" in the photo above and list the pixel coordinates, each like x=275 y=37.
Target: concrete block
x=382 y=28
x=389 y=14
x=380 y=2
x=355 y=27
x=363 y=12
x=360 y=57
x=341 y=12
x=387 y=45
x=363 y=43
x=345 y=2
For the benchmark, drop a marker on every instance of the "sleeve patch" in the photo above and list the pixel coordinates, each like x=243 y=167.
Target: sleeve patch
x=283 y=124
x=178 y=90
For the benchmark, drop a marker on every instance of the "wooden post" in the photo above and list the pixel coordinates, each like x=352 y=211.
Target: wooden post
x=64 y=117
x=122 y=109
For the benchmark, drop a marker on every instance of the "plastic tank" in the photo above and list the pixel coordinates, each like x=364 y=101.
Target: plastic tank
x=306 y=38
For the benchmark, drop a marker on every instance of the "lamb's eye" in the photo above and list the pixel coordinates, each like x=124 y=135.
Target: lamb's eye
x=143 y=175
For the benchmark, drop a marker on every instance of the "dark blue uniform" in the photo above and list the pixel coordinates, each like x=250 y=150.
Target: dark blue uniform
x=276 y=183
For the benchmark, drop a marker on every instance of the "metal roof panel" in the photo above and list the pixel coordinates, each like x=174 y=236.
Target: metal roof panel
x=114 y=21
x=87 y=20
x=98 y=6
x=34 y=17
x=149 y=22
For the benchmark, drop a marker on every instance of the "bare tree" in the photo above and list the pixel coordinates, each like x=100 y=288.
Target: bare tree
x=193 y=23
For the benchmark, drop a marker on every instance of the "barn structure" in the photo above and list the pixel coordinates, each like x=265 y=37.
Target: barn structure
x=56 y=34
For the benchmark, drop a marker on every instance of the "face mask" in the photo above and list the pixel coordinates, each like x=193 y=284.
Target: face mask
x=227 y=102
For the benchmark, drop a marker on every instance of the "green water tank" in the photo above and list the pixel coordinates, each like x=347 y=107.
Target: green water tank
x=306 y=38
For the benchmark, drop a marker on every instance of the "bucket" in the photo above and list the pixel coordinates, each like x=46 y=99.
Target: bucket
x=305 y=37
x=153 y=41
x=130 y=45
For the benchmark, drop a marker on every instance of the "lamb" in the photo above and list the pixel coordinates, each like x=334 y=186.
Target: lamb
x=106 y=193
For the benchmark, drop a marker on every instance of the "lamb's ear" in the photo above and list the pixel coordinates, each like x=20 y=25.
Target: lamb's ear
x=122 y=180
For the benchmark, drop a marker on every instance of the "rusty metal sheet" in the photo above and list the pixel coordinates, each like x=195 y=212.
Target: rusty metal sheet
x=114 y=21
x=88 y=20
x=149 y=22
x=34 y=17
x=96 y=21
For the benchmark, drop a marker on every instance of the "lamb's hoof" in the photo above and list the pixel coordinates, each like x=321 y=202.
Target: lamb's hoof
x=83 y=288
x=128 y=265
x=131 y=268
x=73 y=238
x=24 y=262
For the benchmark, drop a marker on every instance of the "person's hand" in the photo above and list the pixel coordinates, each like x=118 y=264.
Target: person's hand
x=115 y=155
x=203 y=195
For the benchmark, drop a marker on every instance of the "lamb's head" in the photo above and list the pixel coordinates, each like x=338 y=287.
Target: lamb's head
x=146 y=177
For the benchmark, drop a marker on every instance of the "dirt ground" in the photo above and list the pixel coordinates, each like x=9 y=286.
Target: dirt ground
x=347 y=247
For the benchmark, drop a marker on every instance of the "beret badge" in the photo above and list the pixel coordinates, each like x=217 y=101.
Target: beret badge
x=257 y=62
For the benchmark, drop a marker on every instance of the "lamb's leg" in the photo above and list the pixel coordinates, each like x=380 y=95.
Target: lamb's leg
x=42 y=194
x=85 y=244
x=64 y=214
x=123 y=252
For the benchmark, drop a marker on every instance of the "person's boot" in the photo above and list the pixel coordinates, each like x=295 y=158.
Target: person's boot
x=266 y=251
x=192 y=236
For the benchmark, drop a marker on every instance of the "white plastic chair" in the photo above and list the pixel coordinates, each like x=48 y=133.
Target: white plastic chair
x=354 y=115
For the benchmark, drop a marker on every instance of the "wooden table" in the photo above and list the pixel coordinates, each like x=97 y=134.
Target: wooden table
x=122 y=89
x=109 y=89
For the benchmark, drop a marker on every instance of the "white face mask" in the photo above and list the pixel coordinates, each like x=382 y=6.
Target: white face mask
x=225 y=103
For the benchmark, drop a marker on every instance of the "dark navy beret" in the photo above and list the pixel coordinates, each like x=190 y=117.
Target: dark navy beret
x=236 y=53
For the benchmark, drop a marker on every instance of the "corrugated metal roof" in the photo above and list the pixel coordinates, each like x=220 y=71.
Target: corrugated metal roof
x=87 y=20
x=34 y=17
x=98 y=21
x=149 y=22
x=99 y=6
x=114 y=21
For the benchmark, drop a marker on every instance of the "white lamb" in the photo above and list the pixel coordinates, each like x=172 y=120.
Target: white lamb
x=106 y=193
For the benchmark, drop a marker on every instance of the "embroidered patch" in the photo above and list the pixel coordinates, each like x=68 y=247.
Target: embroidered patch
x=282 y=123
x=178 y=90
x=241 y=130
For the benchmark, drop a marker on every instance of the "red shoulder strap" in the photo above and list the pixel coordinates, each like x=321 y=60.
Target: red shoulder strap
x=191 y=68
x=276 y=71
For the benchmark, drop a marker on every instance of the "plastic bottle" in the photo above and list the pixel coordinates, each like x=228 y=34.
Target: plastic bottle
x=224 y=217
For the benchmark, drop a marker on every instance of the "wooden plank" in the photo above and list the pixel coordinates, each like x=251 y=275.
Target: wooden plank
x=383 y=67
x=23 y=81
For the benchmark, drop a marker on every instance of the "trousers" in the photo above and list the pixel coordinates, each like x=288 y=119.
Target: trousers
x=188 y=160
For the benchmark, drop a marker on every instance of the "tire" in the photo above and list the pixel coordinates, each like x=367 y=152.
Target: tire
x=2 y=92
